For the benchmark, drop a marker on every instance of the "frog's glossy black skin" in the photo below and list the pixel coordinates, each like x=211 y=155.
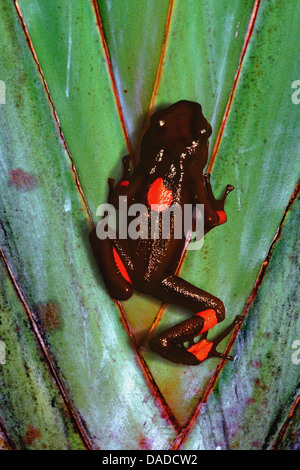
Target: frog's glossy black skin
x=174 y=149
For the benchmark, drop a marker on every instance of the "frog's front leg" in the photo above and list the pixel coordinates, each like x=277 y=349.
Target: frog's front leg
x=208 y=311
x=126 y=167
x=129 y=186
x=121 y=188
x=217 y=204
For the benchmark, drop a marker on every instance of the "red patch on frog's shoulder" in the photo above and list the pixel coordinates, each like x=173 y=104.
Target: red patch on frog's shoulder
x=159 y=196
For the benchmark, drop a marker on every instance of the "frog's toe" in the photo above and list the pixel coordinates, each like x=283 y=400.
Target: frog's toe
x=221 y=201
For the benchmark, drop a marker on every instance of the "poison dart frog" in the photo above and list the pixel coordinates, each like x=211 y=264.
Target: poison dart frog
x=173 y=155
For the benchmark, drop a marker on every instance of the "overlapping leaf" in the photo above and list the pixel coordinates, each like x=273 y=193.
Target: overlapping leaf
x=44 y=422
x=253 y=399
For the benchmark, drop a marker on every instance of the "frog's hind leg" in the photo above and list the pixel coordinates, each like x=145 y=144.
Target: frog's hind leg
x=205 y=349
x=113 y=270
x=209 y=311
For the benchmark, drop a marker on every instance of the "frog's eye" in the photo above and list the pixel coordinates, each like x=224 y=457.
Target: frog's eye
x=161 y=123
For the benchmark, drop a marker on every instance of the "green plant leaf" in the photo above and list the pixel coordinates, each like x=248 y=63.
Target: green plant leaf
x=68 y=44
x=44 y=423
x=290 y=438
x=253 y=397
x=134 y=32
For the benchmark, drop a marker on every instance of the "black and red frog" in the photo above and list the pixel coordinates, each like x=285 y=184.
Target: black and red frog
x=173 y=154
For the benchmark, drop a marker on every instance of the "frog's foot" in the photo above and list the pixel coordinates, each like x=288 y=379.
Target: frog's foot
x=170 y=343
x=217 y=204
x=228 y=190
x=209 y=310
x=205 y=349
x=209 y=192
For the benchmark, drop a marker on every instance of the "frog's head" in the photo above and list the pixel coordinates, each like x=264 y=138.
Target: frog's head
x=180 y=129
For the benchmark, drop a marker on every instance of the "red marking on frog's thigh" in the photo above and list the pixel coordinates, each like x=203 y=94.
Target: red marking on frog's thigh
x=201 y=349
x=120 y=266
x=210 y=319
